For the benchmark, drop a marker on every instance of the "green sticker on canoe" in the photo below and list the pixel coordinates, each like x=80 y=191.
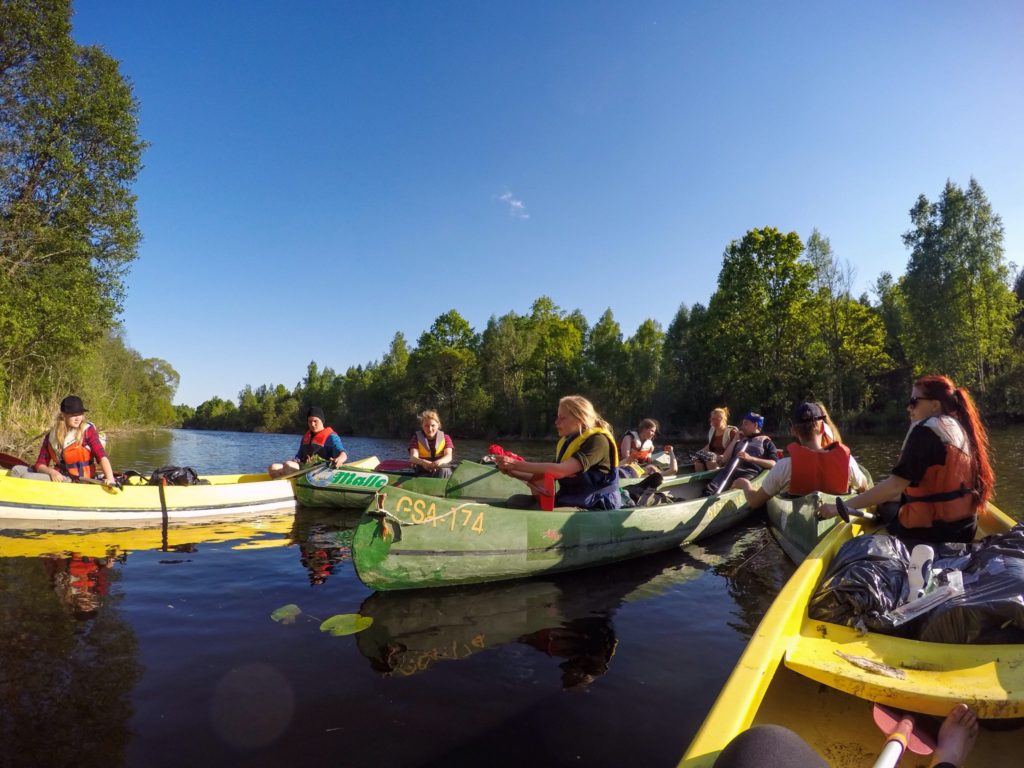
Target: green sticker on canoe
x=348 y=480
x=346 y=624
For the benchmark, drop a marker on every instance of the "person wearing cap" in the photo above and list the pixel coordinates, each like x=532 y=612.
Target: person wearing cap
x=810 y=466
x=319 y=441
x=430 y=449
x=73 y=447
x=751 y=453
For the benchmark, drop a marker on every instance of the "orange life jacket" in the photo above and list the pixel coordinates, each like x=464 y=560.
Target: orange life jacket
x=76 y=459
x=641 y=449
x=812 y=470
x=947 y=492
x=313 y=445
x=423 y=446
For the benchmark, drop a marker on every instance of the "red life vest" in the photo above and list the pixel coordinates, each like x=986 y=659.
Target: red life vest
x=947 y=492
x=313 y=445
x=812 y=470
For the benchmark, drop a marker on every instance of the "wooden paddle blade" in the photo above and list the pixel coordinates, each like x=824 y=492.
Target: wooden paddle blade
x=919 y=741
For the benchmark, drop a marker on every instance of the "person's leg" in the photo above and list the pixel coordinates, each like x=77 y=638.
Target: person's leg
x=26 y=473
x=956 y=738
x=768 y=746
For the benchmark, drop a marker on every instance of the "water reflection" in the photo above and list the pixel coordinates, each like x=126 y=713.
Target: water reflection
x=324 y=540
x=568 y=618
x=81 y=581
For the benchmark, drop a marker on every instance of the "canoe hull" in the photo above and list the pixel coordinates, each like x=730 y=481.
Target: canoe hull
x=33 y=504
x=790 y=675
x=429 y=542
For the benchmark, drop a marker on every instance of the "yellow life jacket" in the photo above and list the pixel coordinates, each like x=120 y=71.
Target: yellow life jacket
x=566 y=449
x=423 y=445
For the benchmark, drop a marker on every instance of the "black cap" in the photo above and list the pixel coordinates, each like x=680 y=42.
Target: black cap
x=807 y=412
x=72 y=405
x=317 y=411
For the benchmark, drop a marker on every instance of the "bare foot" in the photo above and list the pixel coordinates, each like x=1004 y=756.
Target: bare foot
x=956 y=736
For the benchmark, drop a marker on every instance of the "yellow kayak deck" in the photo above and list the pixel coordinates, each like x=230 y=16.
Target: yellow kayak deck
x=910 y=674
x=791 y=674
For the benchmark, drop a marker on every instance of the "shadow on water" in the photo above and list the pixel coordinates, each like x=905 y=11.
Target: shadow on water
x=568 y=617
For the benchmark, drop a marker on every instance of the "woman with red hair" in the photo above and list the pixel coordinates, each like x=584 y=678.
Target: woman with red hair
x=943 y=475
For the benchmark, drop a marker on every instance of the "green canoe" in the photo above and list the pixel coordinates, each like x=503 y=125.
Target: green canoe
x=354 y=488
x=794 y=524
x=412 y=541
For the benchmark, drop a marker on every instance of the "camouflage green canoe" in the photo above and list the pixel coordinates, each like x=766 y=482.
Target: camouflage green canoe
x=410 y=540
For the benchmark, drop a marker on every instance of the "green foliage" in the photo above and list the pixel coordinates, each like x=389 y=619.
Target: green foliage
x=69 y=154
x=959 y=305
x=782 y=326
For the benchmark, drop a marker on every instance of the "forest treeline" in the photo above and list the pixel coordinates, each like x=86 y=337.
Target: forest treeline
x=782 y=325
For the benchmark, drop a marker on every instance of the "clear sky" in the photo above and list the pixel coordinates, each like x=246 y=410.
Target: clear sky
x=324 y=174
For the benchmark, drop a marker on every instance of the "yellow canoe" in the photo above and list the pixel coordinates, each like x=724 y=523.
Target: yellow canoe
x=791 y=674
x=35 y=504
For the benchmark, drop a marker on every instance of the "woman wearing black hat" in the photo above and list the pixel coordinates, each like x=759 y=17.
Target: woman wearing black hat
x=73 y=446
x=318 y=441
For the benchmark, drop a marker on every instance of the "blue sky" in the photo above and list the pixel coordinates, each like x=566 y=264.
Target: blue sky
x=322 y=175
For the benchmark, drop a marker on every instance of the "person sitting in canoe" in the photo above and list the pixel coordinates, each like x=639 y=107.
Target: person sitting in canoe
x=72 y=446
x=319 y=441
x=810 y=466
x=430 y=449
x=831 y=433
x=749 y=455
x=943 y=475
x=636 y=452
x=721 y=438
x=585 y=462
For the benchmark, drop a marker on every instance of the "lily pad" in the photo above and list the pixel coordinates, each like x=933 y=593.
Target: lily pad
x=346 y=624
x=286 y=614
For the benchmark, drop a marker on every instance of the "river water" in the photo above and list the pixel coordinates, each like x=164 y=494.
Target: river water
x=116 y=650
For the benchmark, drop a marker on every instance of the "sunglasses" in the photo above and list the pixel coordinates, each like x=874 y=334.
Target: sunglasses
x=912 y=402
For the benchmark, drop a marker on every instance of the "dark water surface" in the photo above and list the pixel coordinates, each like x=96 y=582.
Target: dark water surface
x=115 y=651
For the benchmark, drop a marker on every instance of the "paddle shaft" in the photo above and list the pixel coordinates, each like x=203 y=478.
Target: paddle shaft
x=896 y=743
x=724 y=485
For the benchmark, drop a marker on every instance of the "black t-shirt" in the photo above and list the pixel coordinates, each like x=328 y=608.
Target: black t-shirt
x=923 y=449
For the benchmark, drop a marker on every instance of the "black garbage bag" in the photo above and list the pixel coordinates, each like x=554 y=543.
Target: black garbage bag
x=175 y=476
x=991 y=609
x=866 y=579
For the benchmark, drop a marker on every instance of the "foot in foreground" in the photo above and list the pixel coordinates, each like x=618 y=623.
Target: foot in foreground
x=956 y=737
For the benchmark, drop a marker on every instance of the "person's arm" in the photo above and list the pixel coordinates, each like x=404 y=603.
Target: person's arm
x=108 y=471
x=761 y=461
x=673 y=465
x=729 y=440
x=446 y=457
x=530 y=469
x=858 y=480
x=889 y=489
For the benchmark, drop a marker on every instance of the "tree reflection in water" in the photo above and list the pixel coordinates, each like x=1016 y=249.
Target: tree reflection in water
x=68 y=661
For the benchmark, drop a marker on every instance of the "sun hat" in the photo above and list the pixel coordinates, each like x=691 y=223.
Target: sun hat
x=72 y=405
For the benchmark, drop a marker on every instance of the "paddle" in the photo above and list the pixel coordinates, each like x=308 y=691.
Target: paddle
x=304 y=471
x=724 y=484
x=902 y=733
x=846 y=512
x=93 y=481
x=10 y=461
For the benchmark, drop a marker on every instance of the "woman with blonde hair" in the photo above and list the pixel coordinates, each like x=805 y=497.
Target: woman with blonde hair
x=721 y=436
x=73 y=446
x=585 y=462
x=430 y=449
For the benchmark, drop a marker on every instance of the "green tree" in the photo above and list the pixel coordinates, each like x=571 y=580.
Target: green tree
x=604 y=367
x=960 y=307
x=444 y=365
x=642 y=371
x=850 y=334
x=507 y=345
x=760 y=347
x=69 y=153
